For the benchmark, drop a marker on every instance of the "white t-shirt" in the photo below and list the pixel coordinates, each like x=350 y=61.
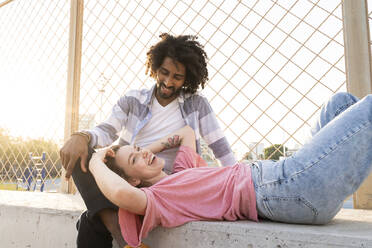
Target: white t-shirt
x=164 y=121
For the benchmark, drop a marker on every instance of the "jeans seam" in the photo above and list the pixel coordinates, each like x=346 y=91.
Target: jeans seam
x=342 y=108
x=301 y=199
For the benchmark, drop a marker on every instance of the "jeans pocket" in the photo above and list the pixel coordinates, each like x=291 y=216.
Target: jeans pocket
x=290 y=210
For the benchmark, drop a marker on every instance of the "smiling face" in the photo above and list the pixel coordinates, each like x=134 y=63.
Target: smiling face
x=139 y=164
x=170 y=79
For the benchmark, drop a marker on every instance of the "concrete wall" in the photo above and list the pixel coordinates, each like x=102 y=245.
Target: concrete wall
x=38 y=220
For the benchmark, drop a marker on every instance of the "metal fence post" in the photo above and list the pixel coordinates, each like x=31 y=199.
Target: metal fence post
x=5 y=3
x=73 y=79
x=358 y=70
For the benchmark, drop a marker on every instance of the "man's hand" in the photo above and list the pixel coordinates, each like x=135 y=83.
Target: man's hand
x=74 y=148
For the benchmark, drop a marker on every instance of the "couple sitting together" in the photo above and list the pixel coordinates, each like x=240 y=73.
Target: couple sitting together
x=155 y=176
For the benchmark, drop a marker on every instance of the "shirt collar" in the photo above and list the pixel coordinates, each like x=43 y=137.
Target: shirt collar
x=151 y=95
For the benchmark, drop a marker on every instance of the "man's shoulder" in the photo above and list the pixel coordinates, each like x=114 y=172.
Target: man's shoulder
x=139 y=95
x=138 y=92
x=196 y=102
x=197 y=98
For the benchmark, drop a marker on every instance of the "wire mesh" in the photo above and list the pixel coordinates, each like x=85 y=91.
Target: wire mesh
x=33 y=66
x=271 y=63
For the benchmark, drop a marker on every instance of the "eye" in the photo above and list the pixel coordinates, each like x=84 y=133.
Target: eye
x=164 y=72
x=137 y=149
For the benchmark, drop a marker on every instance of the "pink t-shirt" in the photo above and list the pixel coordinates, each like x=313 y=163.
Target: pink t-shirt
x=191 y=194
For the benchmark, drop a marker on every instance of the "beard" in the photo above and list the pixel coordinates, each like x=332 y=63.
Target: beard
x=173 y=91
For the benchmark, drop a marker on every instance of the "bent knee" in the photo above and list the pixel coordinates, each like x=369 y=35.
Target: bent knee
x=344 y=97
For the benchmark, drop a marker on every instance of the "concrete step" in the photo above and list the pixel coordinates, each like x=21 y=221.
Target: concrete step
x=37 y=220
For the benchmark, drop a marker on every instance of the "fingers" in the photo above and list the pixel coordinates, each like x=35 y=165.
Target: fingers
x=69 y=168
x=65 y=163
x=83 y=163
x=62 y=157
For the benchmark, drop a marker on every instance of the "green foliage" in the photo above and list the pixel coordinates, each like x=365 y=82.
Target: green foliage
x=274 y=152
x=247 y=156
x=14 y=154
x=10 y=186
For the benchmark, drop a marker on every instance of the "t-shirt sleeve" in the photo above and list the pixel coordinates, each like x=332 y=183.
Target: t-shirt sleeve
x=135 y=227
x=187 y=158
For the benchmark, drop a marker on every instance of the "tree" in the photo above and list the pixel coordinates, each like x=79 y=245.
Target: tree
x=274 y=152
x=14 y=155
x=247 y=156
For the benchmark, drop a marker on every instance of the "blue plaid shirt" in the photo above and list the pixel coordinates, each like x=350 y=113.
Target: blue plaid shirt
x=133 y=111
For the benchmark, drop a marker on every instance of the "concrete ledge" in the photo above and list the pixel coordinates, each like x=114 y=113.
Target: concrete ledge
x=350 y=228
x=48 y=220
x=37 y=220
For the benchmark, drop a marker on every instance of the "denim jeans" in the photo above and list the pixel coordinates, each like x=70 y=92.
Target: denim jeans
x=310 y=186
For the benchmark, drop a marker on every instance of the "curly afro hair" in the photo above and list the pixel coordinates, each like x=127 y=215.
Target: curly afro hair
x=185 y=50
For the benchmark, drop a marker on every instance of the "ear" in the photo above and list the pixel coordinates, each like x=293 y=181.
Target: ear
x=109 y=153
x=134 y=181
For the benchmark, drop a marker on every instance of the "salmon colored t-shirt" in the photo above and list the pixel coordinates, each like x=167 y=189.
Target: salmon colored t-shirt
x=194 y=192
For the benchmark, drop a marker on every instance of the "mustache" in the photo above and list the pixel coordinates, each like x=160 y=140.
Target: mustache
x=162 y=84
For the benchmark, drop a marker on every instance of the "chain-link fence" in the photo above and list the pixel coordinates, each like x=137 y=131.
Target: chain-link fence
x=271 y=65
x=33 y=65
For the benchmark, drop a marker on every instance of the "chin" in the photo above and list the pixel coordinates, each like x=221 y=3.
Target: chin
x=161 y=161
x=165 y=96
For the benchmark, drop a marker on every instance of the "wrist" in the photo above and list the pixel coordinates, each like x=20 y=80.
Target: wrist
x=84 y=134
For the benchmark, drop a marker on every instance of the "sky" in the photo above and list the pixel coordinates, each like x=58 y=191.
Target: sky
x=269 y=62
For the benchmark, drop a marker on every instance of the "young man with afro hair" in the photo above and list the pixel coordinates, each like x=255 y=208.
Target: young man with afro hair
x=178 y=64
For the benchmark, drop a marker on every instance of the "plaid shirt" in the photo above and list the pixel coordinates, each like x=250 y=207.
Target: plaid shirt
x=133 y=111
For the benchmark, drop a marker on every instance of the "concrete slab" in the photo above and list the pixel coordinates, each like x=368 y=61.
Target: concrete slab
x=37 y=220
x=350 y=228
x=34 y=219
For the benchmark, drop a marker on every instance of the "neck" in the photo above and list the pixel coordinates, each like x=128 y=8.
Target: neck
x=164 y=101
x=156 y=179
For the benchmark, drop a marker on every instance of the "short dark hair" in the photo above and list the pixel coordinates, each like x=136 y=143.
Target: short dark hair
x=185 y=50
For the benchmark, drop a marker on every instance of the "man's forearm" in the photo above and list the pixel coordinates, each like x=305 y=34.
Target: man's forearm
x=183 y=136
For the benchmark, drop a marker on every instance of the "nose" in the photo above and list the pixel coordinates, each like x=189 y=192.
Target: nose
x=146 y=153
x=168 y=82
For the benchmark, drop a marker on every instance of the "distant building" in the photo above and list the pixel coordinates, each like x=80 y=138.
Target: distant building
x=288 y=153
x=257 y=150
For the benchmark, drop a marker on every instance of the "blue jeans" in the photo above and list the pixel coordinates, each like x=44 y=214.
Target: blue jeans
x=310 y=186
